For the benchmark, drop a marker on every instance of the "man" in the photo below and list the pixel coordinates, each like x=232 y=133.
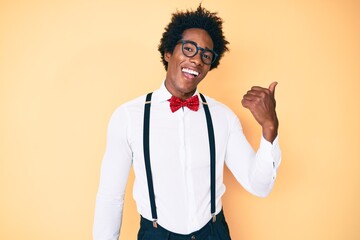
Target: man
x=178 y=147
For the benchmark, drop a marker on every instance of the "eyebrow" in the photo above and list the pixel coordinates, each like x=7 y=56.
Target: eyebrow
x=205 y=48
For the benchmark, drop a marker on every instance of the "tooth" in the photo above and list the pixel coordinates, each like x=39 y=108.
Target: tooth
x=190 y=71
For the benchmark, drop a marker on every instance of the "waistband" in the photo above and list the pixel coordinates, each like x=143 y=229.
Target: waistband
x=200 y=234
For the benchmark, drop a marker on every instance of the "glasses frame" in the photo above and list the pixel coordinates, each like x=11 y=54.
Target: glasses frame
x=183 y=42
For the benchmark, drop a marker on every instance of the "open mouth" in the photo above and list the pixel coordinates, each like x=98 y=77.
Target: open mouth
x=190 y=73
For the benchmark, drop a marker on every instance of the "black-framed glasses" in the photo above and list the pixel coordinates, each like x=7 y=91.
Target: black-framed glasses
x=190 y=49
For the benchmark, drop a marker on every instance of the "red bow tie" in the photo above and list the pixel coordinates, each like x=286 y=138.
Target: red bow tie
x=176 y=103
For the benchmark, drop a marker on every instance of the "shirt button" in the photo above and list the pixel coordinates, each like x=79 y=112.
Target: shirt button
x=193 y=237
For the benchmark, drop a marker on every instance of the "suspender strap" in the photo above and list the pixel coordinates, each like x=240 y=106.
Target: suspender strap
x=147 y=157
x=212 y=155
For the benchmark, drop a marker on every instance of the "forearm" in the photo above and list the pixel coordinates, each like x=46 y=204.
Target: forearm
x=270 y=130
x=110 y=199
x=255 y=171
x=264 y=170
x=108 y=216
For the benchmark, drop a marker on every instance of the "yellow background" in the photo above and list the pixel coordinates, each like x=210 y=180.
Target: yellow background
x=66 y=65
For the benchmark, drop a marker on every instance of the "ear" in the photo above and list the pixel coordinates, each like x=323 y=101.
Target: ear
x=167 y=56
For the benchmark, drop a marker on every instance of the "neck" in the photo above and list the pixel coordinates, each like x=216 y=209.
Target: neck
x=182 y=95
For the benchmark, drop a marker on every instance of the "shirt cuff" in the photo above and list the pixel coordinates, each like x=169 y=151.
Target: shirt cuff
x=271 y=152
x=266 y=144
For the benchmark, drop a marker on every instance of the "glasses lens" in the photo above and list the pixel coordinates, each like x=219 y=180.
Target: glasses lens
x=207 y=57
x=189 y=49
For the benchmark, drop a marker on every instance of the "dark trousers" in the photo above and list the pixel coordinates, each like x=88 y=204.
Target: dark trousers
x=217 y=230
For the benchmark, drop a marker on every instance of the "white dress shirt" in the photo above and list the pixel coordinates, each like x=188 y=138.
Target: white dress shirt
x=180 y=164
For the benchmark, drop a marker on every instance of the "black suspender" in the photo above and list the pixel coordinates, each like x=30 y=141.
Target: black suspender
x=212 y=155
x=147 y=157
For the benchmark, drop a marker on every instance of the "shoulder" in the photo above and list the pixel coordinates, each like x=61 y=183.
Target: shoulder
x=134 y=103
x=130 y=107
x=222 y=113
x=218 y=107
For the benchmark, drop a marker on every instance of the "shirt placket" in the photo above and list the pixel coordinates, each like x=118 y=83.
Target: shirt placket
x=188 y=168
x=182 y=150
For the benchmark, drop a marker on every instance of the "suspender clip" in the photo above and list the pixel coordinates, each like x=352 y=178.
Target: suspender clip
x=213 y=217
x=155 y=223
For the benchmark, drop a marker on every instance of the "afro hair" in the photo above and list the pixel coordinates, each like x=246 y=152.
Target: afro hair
x=201 y=18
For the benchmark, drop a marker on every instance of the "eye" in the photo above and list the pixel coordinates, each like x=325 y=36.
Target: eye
x=188 y=49
x=208 y=55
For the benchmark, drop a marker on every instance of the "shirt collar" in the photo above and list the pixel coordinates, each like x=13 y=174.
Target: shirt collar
x=164 y=95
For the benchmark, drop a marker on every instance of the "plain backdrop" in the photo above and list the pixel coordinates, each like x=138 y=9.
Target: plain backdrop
x=66 y=65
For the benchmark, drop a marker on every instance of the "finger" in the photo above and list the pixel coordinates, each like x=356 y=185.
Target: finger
x=257 y=88
x=272 y=87
x=258 y=93
x=253 y=95
x=247 y=101
x=249 y=98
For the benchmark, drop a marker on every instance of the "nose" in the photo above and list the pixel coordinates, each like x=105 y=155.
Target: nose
x=197 y=59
